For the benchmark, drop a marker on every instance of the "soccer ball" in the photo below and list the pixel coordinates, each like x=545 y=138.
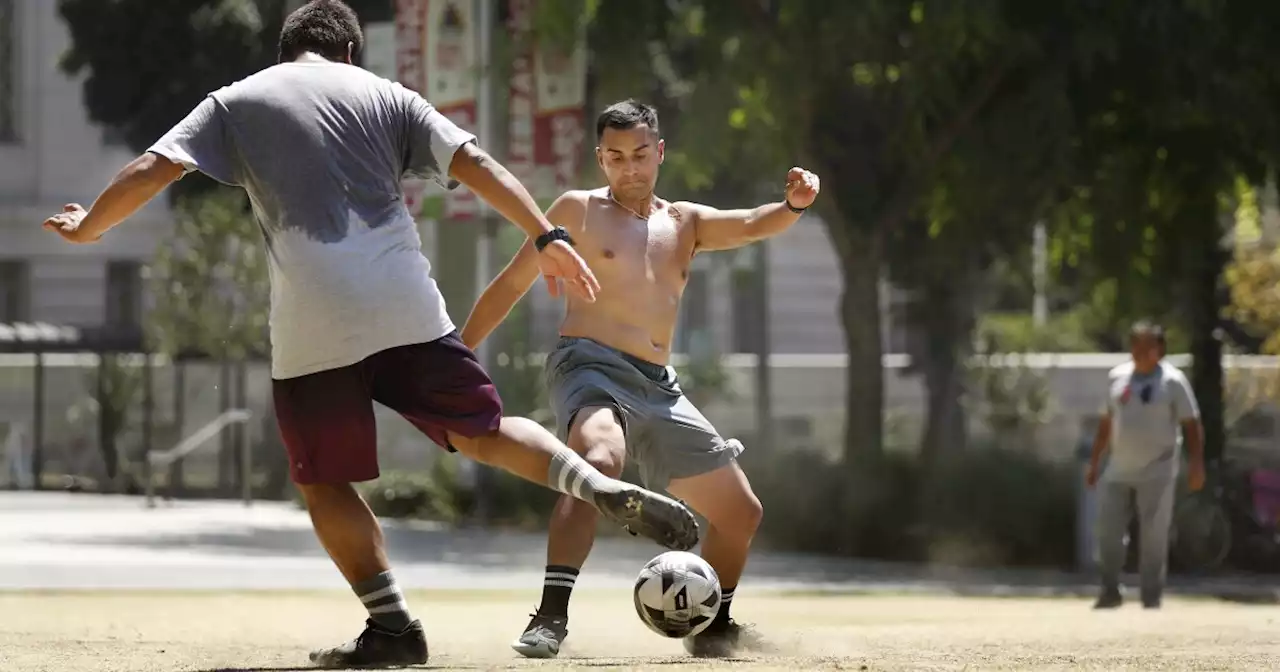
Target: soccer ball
x=677 y=594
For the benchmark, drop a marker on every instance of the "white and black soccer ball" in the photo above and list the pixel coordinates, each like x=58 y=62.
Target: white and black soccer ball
x=677 y=594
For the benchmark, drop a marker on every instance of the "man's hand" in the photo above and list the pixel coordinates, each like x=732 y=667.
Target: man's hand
x=67 y=224
x=558 y=262
x=802 y=187
x=1091 y=476
x=1195 y=475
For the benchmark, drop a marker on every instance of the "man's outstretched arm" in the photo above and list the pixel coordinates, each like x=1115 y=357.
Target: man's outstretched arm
x=729 y=229
x=506 y=290
x=135 y=185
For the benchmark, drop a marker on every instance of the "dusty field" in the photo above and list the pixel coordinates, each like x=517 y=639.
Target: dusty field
x=152 y=632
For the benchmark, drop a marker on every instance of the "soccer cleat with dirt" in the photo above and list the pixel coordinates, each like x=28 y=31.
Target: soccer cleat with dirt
x=543 y=637
x=376 y=648
x=650 y=515
x=1109 y=599
x=723 y=639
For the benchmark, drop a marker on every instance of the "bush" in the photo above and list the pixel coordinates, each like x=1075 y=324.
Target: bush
x=985 y=507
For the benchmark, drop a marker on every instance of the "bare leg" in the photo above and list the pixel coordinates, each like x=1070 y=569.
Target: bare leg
x=595 y=434
x=347 y=529
x=733 y=514
x=528 y=450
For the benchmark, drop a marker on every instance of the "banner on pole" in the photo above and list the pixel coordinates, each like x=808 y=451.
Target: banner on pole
x=560 y=117
x=410 y=32
x=452 y=60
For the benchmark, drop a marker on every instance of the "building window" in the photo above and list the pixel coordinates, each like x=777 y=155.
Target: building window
x=124 y=294
x=15 y=291
x=8 y=72
x=747 y=315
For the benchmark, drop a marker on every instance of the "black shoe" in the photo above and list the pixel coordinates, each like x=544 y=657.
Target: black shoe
x=1151 y=600
x=377 y=647
x=1109 y=599
x=650 y=515
x=543 y=637
x=722 y=639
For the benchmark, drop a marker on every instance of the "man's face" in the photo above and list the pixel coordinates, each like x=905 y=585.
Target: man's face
x=1145 y=349
x=630 y=159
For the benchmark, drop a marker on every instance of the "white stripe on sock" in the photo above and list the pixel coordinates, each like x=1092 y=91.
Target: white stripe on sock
x=390 y=608
x=558 y=583
x=392 y=589
x=562 y=481
x=563 y=576
x=578 y=479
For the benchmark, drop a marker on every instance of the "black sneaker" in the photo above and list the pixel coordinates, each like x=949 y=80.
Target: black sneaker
x=722 y=639
x=1150 y=600
x=377 y=647
x=650 y=515
x=1109 y=599
x=543 y=637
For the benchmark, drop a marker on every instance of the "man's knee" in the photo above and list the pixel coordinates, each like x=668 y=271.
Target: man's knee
x=725 y=498
x=596 y=434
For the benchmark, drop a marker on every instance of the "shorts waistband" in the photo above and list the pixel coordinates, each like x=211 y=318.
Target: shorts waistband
x=653 y=371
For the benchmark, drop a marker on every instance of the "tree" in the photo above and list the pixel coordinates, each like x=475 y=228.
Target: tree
x=1178 y=115
x=874 y=97
x=209 y=286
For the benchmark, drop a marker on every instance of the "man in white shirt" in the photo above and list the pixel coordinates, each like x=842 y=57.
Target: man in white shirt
x=1148 y=402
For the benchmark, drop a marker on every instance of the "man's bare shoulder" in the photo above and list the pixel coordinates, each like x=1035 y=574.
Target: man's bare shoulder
x=685 y=212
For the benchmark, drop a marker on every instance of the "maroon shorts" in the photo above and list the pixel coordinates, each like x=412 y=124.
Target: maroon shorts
x=326 y=418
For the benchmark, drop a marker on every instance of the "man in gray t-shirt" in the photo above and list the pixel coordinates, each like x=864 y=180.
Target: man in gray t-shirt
x=1148 y=403
x=321 y=147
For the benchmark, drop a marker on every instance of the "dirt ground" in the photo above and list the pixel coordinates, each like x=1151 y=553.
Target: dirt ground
x=152 y=632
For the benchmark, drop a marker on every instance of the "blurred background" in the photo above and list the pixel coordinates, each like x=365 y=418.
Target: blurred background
x=916 y=368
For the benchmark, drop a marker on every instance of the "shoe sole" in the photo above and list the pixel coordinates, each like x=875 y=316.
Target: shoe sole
x=541 y=650
x=650 y=515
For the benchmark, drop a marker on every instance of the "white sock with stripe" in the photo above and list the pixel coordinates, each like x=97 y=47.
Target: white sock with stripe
x=384 y=601
x=574 y=476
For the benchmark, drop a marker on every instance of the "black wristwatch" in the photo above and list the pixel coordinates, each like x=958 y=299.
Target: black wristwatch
x=792 y=208
x=547 y=238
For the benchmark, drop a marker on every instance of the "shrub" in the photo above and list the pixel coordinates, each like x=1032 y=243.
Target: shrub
x=988 y=507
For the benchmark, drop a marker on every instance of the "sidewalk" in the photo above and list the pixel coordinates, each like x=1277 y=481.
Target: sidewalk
x=78 y=541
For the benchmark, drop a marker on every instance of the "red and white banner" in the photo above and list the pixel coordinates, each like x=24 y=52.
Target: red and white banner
x=560 y=117
x=438 y=56
x=521 y=96
x=452 y=50
x=409 y=63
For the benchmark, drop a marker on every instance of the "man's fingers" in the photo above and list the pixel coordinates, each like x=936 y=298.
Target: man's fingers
x=586 y=290
x=553 y=286
x=71 y=207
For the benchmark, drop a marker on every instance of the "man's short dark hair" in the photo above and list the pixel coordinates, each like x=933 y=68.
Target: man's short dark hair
x=325 y=27
x=1147 y=328
x=626 y=115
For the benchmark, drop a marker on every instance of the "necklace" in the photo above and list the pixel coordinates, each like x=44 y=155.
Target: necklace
x=620 y=205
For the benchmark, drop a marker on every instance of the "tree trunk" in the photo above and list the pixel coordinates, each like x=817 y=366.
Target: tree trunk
x=1206 y=301
x=177 y=481
x=946 y=317
x=864 y=374
x=226 y=467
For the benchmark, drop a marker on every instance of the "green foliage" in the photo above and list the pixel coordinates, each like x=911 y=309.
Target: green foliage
x=1017 y=332
x=147 y=64
x=210 y=281
x=982 y=507
x=117 y=389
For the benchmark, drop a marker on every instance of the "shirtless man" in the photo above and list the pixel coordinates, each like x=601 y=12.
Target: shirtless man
x=612 y=390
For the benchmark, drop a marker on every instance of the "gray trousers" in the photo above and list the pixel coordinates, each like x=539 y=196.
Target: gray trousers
x=1154 y=500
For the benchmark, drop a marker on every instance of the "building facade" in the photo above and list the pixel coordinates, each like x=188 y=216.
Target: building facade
x=52 y=154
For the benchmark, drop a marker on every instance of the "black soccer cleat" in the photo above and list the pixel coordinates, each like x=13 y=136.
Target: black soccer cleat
x=723 y=639
x=1109 y=599
x=543 y=637
x=650 y=515
x=376 y=648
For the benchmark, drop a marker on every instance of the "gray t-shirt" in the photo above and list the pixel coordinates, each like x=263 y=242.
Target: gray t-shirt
x=321 y=149
x=1147 y=412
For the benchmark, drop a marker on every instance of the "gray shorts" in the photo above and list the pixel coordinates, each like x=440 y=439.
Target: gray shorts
x=667 y=437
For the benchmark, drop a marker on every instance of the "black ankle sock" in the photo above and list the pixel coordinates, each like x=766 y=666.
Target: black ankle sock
x=726 y=600
x=557 y=587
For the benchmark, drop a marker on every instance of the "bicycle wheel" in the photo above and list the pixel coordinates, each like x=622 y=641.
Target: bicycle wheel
x=1202 y=535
